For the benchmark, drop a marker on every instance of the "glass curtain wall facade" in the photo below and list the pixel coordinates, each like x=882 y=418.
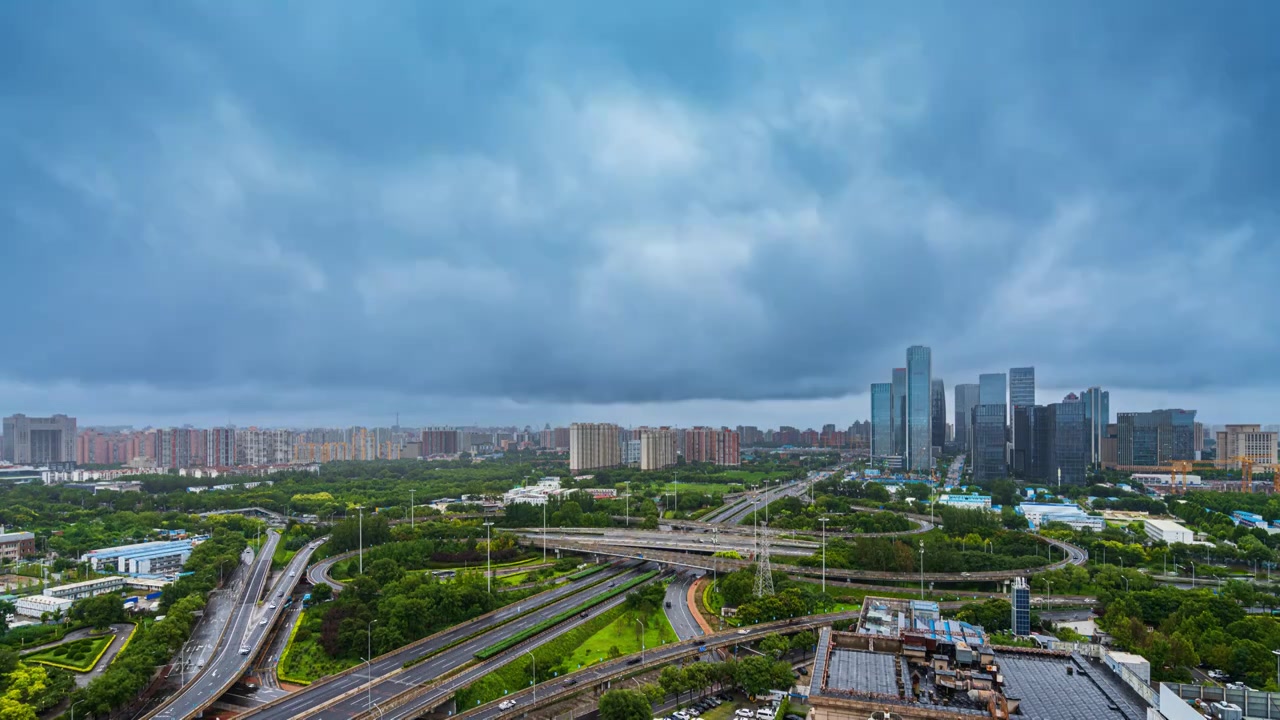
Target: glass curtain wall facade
x=899 y=407
x=966 y=401
x=938 y=409
x=988 y=455
x=919 y=408
x=1068 y=451
x=1022 y=397
x=1097 y=415
x=881 y=419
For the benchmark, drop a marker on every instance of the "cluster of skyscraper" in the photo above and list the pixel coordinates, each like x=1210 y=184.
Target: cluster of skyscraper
x=604 y=445
x=1005 y=433
x=902 y=413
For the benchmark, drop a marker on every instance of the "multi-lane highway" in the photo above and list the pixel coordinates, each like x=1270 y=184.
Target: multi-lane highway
x=413 y=703
x=347 y=694
x=241 y=638
x=549 y=692
x=677 y=606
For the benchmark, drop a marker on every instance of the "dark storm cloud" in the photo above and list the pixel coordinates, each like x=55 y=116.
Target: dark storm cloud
x=569 y=203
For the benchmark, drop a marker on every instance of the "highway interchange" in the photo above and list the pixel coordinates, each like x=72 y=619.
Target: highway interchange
x=420 y=676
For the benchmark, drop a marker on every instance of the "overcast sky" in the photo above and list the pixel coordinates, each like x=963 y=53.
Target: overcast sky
x=709 y=212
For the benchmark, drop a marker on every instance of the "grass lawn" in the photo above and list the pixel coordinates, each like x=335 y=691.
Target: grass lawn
x=78 y=655
x=282 y=557
x=622 y=637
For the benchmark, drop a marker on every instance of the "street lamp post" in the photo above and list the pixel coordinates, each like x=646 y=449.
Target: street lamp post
x=74 y=704
x=1048 y=587
x=641 y=638
x=628 y=498
x=369 y=662
x=824 y=553
x=533 y=682
x=411 y=525
x=921 y=569
x=488 y=568
x=1277 y=654
x=544 y=529
x=361 y=509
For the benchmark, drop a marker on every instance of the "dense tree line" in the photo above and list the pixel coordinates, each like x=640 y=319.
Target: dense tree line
x=152 y=646
x=791 y=598
x=753 y=675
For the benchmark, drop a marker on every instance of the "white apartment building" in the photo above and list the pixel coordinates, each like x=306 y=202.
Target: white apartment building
x=256 y=446
x=593 y=445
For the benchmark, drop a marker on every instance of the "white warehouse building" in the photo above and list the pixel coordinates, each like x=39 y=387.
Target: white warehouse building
x=1169 y=532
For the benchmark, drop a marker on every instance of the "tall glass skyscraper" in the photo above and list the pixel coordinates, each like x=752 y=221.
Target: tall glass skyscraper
x=991 y=387
x=1097 y=415
x=938 y=408
x=919 y=408
x=1022 y=397
x=881 y=419
x=966 y=401
x=1020 y=600
x=899 y=407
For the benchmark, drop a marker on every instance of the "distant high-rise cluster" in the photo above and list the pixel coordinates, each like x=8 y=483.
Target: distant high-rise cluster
x=593 y=445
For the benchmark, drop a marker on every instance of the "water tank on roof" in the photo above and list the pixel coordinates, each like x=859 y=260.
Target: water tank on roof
x=1226 y=711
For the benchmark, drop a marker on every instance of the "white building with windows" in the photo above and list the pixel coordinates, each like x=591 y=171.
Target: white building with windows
x=1168 y=531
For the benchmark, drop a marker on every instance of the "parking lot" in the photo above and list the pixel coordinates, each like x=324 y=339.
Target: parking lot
x=731 y=706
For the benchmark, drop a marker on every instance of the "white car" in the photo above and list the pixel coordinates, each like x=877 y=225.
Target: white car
x=263 y=621
x=271 y=606
x=742 y=713
x=506 y=704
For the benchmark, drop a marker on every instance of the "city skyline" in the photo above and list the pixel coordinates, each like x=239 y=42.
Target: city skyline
x=650 y=226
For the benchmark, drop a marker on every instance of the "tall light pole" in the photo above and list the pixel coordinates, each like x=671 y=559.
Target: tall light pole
x=921 y=569
x=1277 y=654
x=533 y=683
x=411 y=525
x=1048 y=588
x=369 y=662
x=488 y=571
x=74 y=704
x=361 y=509
x=544 y=529
x=641 y=638
x=824 y=553
x=628 y=502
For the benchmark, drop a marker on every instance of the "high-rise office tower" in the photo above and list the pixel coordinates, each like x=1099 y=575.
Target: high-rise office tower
x=988 y=454
x=1097 y=415
x=39 y=440
x=1022 y=394
x=899 y=411
x=966 y=401
x=593 y=445
x=919 y=408
x=1156 y=437
x=1022 y=386
x=991 y=389
x=881 y=419
x=1020 y=599
x=1063 y=450
x=938 y=411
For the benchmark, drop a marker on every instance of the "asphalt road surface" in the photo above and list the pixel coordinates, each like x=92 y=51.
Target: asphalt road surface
x=679 y=612
x=520 y=615
x=590 y=676
x=250 y=623
x=453 y=658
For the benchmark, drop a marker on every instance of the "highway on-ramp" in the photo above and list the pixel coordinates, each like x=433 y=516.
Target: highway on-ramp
x=243 y=636
x=677 y=606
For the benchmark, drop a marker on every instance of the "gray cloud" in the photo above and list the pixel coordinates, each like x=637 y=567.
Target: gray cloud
x=279 y=212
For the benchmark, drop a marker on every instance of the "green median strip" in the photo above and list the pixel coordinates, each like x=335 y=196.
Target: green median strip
x=414 y=661
x=583 y=573
x=520 y=637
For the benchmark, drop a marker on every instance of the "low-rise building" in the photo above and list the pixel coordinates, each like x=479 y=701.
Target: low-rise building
x=36 y=605
x=1040 y=513
x=150 y=558
x=1168 y=531
x=16 y=545
x=1248 y=519
x=88 y=588
x=972 y=501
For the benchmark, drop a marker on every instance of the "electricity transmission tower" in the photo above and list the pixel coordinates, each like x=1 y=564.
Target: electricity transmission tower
x=764 y=572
